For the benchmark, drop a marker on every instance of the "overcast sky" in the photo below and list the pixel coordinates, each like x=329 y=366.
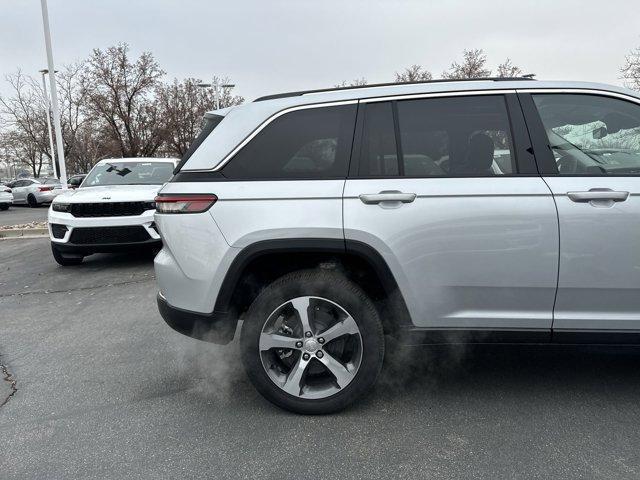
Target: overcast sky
x=273 y=46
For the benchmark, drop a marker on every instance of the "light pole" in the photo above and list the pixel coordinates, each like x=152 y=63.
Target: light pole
x=216 y=89
x=48 y=112
x=54 y=94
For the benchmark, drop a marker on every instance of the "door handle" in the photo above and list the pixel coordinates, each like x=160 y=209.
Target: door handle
x=605 y=194
x=387 y=196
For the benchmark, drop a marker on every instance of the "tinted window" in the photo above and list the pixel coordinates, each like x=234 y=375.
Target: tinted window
x=457 y=136
x=590 y=134
x=379 y=153
x=309 y=143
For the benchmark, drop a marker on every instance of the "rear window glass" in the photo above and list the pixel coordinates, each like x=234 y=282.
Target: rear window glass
x=209 y=123
x=310 y=143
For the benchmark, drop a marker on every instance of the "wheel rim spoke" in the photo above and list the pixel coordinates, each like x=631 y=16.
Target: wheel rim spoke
x=343 y=376
x=274 y=340
x=301 y=305
x=297 y=361
x=347 y=326
x=293 y=383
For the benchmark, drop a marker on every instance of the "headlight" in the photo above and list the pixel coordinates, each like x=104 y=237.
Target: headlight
x=150 y=205
x=61 y=207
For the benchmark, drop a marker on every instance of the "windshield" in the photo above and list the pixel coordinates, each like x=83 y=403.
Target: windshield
x=129 y=173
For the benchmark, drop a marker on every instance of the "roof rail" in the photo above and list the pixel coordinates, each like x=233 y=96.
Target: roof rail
x=389 y=84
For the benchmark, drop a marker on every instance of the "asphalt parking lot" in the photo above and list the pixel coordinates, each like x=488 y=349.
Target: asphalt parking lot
x=106 y=390
x=20 y=214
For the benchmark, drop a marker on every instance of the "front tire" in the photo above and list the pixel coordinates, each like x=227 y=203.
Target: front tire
x=4 y=206
x=312 y=342
x=65 y=260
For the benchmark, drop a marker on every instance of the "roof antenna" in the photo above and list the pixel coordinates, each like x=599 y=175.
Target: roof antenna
x=530 y=76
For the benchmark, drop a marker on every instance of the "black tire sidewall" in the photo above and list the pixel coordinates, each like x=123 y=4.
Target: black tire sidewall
x=332 y=286
x=31 y=201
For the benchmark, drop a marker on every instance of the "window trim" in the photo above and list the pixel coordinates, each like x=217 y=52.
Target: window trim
x=523 y=152
x=546 y=162
x=356 y=150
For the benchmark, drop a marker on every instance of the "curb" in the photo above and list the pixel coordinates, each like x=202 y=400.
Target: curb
x=24 y=233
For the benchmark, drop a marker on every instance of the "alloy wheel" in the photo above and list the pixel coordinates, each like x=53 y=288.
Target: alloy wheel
x=310 y=347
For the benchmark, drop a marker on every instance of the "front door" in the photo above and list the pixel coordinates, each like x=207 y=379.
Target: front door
x=592 y=165
x=446 y=191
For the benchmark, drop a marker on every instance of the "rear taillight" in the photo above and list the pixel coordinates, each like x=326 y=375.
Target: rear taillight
x=45 y=188
x=185 y=203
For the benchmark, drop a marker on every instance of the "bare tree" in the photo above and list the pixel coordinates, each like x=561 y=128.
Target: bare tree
x=24 y=122
x=358 y=82
x=508 y=69
x=414 y=73
x=474 y=65
x=182 y=106
x=631 y=69
x=119 y=91
x=111 y=105
x=19 y=149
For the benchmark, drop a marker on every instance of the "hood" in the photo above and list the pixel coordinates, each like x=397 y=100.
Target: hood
x=110 y=193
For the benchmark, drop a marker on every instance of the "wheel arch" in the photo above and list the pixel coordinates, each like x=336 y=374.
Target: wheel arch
x=264 y=261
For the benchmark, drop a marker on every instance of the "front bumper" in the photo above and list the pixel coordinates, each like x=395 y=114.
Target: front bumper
x=145 y=220
x=215 y=327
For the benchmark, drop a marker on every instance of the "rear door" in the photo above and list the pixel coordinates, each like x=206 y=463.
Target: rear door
x=446 y=189
x=589 y=148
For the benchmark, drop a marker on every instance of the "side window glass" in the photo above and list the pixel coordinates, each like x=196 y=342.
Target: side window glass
x=456 y=136
x=379 y=156
x=306 y=144
x=591 y=134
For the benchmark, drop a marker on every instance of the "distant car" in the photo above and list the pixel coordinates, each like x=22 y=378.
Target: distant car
x=75 y=181
x=6 y=197
x=112 y=209
x=35 y=191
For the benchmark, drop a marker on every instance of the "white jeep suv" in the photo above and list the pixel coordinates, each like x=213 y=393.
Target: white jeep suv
x=112 y=210
x=442 y=212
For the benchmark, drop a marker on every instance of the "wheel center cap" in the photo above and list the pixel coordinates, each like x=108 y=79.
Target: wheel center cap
x=311 y=345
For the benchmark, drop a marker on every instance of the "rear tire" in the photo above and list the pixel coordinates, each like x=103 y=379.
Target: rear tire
x=66 y=260
x=333 y=303
x=31 y=201
x=4 y=206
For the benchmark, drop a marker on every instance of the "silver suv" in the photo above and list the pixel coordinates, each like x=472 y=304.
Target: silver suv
x=501 y=210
